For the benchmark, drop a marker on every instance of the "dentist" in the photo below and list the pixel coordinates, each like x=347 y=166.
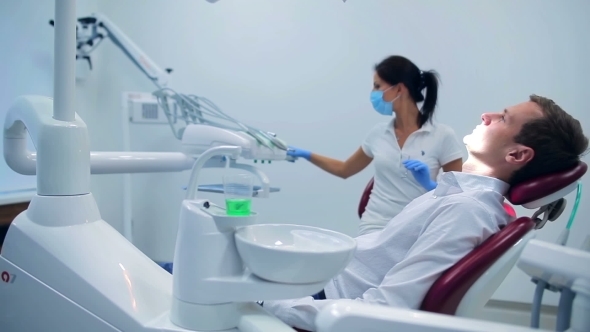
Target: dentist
x=408 y=151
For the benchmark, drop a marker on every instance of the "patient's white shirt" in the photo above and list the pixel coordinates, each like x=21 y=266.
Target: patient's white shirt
x=398 y=265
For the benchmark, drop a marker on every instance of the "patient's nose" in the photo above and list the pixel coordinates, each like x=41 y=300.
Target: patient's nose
x=486 y=118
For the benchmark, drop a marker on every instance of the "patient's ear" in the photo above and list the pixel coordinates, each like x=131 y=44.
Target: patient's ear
x=520 y=155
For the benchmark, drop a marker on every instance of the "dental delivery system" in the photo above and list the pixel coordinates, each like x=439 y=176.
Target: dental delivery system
x=194 y=120
x=198 y=135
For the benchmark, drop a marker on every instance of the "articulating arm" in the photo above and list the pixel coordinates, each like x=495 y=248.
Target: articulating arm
x=91 y=30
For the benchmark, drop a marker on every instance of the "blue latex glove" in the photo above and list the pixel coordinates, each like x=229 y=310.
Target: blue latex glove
x=298 y=153
x=421 y=173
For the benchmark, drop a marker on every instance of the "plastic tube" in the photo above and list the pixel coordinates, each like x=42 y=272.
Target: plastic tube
x=564 y=312
x=537 y=301
x=575 y=209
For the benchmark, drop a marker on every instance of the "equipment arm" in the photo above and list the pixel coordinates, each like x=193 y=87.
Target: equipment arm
x=91 y=30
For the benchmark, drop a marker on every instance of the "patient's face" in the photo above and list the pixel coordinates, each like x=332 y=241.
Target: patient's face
x=492 y=140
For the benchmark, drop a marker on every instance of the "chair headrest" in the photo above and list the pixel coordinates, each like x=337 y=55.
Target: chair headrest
x=546 y=189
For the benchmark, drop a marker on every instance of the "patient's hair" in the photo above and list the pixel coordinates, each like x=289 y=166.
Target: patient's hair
x=557 y=139
x=397 y=69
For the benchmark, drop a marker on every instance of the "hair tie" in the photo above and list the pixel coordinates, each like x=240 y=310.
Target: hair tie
x=422 y=82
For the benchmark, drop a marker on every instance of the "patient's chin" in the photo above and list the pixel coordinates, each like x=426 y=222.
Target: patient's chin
x=466 y=139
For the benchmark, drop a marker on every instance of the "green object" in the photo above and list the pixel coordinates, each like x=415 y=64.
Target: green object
x=238 y=206
x=575 y=209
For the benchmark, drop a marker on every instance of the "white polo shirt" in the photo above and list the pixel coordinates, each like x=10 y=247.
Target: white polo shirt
x=434 y=144
x=398 y=265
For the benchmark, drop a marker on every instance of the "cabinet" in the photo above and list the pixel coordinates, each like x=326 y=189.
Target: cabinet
x=7 y=214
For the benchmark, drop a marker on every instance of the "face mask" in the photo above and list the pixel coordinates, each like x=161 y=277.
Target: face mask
x=380 y=105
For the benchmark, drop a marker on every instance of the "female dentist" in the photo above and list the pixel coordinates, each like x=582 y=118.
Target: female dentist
x=408 y=151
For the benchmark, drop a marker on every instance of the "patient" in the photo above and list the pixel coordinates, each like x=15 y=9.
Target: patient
x=398 y=265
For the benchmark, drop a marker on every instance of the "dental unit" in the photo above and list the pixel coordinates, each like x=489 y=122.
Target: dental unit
x=63 y=268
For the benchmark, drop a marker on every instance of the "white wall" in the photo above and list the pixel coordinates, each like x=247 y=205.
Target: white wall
x=303 y=69
x=26 y=67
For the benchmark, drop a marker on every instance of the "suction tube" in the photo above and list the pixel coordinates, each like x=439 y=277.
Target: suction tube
x=537 y=300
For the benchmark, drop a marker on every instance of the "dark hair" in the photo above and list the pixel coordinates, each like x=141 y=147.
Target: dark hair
x=557 y=139
x=397 y=69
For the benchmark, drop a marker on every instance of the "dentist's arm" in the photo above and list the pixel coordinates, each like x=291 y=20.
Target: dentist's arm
x=343 y=169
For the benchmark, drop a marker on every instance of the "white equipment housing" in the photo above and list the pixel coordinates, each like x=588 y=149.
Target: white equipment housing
x=198 y=138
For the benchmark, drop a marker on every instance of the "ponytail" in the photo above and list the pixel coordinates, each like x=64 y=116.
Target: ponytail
x=430 y=83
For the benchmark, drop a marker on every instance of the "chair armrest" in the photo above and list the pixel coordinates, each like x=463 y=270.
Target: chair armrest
x=355 y=316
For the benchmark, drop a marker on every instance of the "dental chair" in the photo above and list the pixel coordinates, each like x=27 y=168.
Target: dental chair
x=466 y=287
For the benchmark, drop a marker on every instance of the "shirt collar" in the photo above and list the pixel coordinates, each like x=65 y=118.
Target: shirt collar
x=454 y=182
x=426 y=127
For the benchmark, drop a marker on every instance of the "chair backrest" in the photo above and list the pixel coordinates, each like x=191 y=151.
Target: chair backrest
x=448 y=291
x=365 y=197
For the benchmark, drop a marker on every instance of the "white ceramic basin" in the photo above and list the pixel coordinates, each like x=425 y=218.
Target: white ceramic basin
x=293 y=254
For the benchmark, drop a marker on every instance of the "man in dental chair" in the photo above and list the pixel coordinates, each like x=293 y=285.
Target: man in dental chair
x=398 y=265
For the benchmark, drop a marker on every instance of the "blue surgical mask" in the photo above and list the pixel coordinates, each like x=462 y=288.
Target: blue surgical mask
x=380 y=105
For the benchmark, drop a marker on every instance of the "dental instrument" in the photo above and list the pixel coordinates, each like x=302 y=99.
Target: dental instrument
x=45 y=268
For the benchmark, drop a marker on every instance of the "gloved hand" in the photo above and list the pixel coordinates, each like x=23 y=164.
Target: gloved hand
x=296 y=153
x=421 y=173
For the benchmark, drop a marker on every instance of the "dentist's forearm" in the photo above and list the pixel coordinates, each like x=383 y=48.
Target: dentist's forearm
x=328 y=164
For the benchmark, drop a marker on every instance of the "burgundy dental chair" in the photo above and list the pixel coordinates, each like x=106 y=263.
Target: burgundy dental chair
x=465 y=288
